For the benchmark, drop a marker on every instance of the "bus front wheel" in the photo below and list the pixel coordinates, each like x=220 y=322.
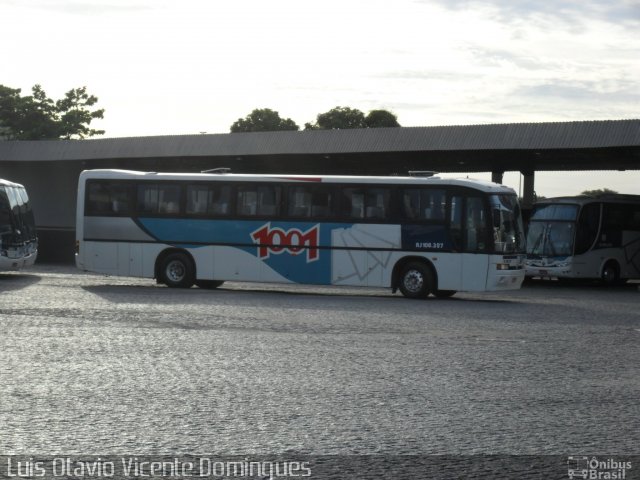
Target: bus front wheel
x=177 y=271
x=611 y=273
x=416 y=280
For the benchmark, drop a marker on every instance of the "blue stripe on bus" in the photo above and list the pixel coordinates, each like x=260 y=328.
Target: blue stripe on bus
x=302 y=265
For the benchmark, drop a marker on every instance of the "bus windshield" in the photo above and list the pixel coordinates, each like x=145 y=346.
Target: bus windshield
x=550 y=239
x=552 y=230
x=18 y=238
x=554 y=211
x=508 y=232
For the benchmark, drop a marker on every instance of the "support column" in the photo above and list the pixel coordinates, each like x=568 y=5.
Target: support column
x=528 y=190
x=496 y=176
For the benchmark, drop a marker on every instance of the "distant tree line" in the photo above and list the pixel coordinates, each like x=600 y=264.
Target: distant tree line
x=598 y=192
x=338 y=118
x=38 y=117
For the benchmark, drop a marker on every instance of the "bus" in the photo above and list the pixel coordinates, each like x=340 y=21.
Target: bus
x=585 y=238
x=18 y=238
x=421 y=235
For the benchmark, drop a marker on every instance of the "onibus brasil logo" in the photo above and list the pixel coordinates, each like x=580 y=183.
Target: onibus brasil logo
x=596 y=468
x=293 y=241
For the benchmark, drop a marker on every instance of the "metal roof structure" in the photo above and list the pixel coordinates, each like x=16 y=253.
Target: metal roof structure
x=586 y=145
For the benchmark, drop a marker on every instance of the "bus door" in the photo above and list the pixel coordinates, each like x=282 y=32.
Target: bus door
x=475 y=260
x=449 y=265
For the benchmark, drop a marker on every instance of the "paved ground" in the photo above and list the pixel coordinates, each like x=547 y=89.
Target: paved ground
x=92 y=364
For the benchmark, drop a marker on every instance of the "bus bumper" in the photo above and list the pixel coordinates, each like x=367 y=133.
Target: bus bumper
x=549 y=272
x=7 y=263
x=505 y=280
x=543 y=271
x=559 y=267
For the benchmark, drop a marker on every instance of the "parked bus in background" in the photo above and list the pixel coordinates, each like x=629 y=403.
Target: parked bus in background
x=18 y=239
x=585 y=237
x=422 y=235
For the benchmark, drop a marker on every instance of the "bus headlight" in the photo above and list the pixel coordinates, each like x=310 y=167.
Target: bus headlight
x=502 y=266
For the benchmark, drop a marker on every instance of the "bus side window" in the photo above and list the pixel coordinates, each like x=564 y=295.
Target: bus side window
x=98 y=201
x=198 y=198
x=309 y=201
x=411 y=203
x=377 y=203
x=587 y=229
x=220 y=200
x=106 y=198
x=269 y=200
x=208 y=200
x=633 y=219
x=259 y=200
x=299 y=202
x=321 y=203
x=159 y=199
x=370 y=203
x=423 y=204
x=455 y=221
x=352 y=203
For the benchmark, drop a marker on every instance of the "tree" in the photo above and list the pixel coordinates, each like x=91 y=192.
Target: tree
x=598 y=192
x=338 y=118
x=75 y=116
x=263 y=120
x=37 y=117
x=381 y=119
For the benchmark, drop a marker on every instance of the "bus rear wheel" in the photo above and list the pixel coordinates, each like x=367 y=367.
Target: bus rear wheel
x=416 y=280
x=177 y=271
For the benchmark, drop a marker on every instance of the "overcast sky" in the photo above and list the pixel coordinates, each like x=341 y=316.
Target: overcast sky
x=164 y=67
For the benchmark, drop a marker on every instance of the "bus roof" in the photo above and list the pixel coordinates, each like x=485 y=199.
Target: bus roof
x=481 y=185
x=584 y=199
x=7 y=183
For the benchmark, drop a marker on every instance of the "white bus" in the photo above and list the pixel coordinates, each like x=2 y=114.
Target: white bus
x=585 y=238
x=18 y=239
x=421 y=235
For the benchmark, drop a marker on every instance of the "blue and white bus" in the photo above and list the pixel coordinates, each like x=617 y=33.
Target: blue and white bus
x=422 y=235
x=18 y=238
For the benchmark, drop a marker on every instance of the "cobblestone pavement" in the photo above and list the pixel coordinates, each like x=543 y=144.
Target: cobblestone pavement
x=94 y=365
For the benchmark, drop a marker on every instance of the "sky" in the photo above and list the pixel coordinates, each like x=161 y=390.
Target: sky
x=163 y=67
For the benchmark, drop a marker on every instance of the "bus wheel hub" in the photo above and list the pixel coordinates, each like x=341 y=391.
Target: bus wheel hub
x=413 y=281
x=175 y=271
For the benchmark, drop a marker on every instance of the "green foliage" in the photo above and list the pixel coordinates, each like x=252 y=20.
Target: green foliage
x=75 y=115
x=598 y=192
x=267 y=120
x=263 y=120
x=339 y=118
x=381 y=119
x=37 y=117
